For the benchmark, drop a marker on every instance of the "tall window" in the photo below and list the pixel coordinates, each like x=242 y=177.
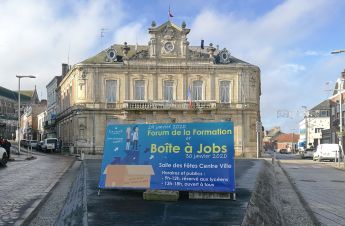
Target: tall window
x=168 y=90
x=140 y=90
x=110 y=89
x=224 y=91
x=197 y=90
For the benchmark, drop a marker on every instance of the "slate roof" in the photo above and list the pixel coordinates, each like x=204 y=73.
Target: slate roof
x=8 y=93
x=101 y=56
x=24 y=95
x=324 y=105
x=143 y=50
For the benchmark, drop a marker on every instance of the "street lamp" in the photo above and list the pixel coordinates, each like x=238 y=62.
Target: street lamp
x=18 y=127
x=340 y=111
x=338 y=51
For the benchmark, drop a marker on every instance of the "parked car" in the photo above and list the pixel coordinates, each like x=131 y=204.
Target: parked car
x=23 y=143
x=283 y=151
x=307 y=153
x=39 y=145
x=32 y=144
x=327 y=152
x=3 y=156
x=49 y=144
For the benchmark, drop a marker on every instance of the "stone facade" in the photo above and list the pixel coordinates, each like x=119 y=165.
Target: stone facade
x=165 y=82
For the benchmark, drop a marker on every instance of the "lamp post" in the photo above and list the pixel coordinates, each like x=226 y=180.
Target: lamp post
x=340 y=120
x=340 y=111
x=293 y=150
x=18 y=127
x=338 y=51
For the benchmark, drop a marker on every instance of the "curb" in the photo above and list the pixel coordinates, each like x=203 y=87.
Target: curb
x=32 y=210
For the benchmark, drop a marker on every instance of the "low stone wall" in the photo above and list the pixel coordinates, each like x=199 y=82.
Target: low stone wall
x=275 y=201
x=74 y=211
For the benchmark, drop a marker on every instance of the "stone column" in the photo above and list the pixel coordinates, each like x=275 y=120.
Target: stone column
x=127 y=88
x=185 y=85
x=213 y=85
x=155 y=86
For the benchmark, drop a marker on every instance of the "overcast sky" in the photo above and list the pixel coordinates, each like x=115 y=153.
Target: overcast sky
x=289 y=40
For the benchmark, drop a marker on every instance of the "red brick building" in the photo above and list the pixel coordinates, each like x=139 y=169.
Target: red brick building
x=287 y=141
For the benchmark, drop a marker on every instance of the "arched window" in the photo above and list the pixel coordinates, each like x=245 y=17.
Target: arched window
x=197 y=90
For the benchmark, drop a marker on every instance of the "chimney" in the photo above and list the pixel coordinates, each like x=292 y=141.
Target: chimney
x=65 y=69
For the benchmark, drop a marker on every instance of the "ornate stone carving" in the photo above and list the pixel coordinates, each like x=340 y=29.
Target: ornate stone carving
x=224 y=56
x=111 y=55
x=143 y=54
x=168 y=33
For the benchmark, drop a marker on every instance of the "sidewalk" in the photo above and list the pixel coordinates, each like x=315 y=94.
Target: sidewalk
x=321 y=187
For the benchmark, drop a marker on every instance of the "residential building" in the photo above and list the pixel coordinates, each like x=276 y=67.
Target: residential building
x=336 y=100
x=287 y=141
x=9 y=110
x=29 y=123
x=270 y=138
x=315 y=121
x=166 y=81
x=41 y=119
x=52 y=95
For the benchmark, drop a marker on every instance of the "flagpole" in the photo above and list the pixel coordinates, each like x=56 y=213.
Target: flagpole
x=170 y=14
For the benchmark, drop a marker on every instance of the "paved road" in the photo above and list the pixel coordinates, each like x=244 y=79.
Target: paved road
x=116 y=207
x=322 y=187
x=24 y=182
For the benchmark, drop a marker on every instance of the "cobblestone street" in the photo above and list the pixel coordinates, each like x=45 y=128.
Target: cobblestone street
x=23 y=183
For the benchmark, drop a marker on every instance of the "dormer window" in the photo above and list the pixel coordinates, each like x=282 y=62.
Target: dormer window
x=224 y=56
x=111 y=55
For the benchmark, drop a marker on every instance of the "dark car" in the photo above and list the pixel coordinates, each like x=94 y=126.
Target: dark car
x=39 y=146
x=283 y=151
x=23 y=143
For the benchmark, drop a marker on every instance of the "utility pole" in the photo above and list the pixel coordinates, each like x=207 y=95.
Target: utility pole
x=258 y=130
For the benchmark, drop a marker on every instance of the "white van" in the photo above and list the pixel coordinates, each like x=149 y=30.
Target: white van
x=327 y=152
x=49 y=144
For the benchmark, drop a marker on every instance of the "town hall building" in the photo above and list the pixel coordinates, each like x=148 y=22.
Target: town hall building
x=166 y=81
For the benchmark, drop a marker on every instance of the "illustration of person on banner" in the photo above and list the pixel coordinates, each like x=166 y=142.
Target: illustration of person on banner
x=135 y=138
x=128 y=138
x=132 y=152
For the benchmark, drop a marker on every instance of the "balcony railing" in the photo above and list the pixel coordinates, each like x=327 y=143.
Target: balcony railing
x=49 y=123
x=154 y=105
x=169 y=105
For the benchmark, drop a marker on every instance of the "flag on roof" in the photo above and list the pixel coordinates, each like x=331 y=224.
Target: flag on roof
x=189 y=97
x=170 y=14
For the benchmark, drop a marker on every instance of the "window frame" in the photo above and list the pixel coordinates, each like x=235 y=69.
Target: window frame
x=115 y=91
x=172 y=86
x=195 y=93
x=143 y=89
x=220 y=91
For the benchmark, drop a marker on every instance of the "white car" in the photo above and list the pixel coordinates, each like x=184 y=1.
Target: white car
x=307 y=153
x=327 y=152
x=32 y=144
x=3 y=156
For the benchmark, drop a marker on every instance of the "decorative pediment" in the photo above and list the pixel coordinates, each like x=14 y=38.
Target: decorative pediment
x=168 y=40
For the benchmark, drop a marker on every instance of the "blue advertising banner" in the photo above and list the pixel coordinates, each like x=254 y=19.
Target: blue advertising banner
x=181 y=156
